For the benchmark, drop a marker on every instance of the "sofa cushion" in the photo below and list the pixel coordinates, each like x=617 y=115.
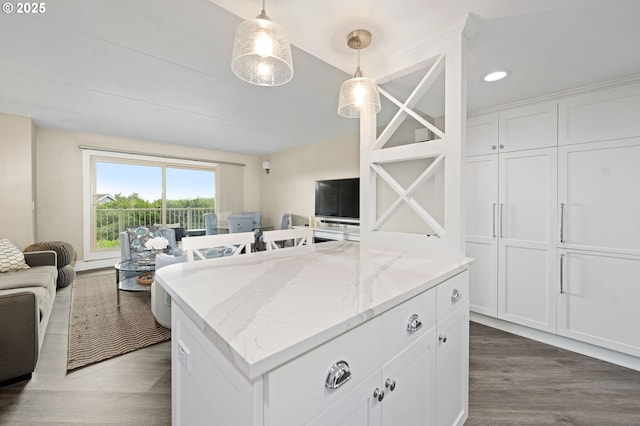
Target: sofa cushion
x=38 y=276
x=11 y=258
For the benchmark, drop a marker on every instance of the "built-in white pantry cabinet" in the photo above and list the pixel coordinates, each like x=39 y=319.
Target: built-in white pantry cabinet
x=598 y=300
x=600 y=243
x=511 y=220
x=555 y=230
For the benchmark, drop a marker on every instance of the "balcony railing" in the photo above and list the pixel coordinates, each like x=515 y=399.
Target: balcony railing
x=110 y=222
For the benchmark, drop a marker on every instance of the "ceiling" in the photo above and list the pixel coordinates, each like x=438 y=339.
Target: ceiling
x=160 y=69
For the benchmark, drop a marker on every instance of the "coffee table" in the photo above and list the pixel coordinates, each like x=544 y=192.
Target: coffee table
x=128 y=283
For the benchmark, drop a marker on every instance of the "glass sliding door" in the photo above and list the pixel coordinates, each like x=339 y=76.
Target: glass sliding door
x=190 y=193
x=135 y=192
x=125 y=195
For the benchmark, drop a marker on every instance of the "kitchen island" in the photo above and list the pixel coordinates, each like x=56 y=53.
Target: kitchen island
x=319 y=334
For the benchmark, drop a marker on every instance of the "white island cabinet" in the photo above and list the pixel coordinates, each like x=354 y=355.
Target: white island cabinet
x=325 y=334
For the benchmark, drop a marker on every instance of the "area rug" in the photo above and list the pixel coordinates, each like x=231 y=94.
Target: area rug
x=98 y=330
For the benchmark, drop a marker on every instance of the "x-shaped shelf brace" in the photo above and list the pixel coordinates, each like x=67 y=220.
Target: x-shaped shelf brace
x=406 y=195
x=407 y=107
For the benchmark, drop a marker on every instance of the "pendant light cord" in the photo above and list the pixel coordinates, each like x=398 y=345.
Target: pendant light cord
x=358 y=72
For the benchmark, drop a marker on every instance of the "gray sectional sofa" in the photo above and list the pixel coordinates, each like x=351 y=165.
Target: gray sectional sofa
x=26 y=299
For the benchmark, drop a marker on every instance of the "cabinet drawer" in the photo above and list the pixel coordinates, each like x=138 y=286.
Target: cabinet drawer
x=451 y=294
x=395 y=331
x=296 y=392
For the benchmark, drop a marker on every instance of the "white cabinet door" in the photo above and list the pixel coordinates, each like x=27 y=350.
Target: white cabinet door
x=409 y=382
x=529 y=127
x=482 y=135
x=598 y=191
x=527 y=240
x=598 y=300
x=600 y=116
x=452 y=400
x=356 y=408
x=481 y=239
x=206 y=386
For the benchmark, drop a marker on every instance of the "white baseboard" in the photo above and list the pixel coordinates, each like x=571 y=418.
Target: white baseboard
x=88 y=265
x=587 y=349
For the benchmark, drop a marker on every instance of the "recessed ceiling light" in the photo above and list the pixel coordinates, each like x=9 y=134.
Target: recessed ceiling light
x=495 y=76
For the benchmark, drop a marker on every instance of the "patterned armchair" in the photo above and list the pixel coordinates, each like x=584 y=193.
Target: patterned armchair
x=132 y=240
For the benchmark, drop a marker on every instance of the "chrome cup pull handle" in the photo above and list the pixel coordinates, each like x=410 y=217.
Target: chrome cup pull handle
x=339 y=374
x=414 y=324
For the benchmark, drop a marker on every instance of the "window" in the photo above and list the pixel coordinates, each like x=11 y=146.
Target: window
x=133 y=190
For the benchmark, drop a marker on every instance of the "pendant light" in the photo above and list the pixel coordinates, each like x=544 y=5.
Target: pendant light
x=261 y=52
x=359 y=90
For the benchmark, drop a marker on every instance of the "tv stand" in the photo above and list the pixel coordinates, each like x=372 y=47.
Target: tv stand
x=338 y=229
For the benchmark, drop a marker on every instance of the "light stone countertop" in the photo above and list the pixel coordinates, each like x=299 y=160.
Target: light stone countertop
x=263 y=309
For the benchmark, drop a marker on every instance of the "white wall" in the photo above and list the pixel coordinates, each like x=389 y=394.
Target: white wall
x=16 y=180
x=290 y=186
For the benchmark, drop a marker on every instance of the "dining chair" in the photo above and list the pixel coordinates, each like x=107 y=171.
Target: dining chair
x=240 y=223
x=211 y=223
x=285 y=221
x=208 y=246
x=301 y=236
x=257 y=219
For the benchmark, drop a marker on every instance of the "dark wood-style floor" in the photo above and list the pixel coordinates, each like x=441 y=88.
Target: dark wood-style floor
x=132 y=389
x=517 y=381
x=513 y=381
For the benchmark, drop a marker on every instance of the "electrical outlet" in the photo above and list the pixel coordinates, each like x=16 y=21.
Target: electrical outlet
x=184 y=357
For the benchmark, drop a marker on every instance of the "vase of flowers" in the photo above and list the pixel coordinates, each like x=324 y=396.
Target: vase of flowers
x=156 y=245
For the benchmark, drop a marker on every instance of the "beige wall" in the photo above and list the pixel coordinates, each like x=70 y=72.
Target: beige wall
x=16 y=180
x=59 y=197
x=290 y=186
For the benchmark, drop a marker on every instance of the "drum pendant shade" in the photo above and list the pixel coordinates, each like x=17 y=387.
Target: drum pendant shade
x=262 y=52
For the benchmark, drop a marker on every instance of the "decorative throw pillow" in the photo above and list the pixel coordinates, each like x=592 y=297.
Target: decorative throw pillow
x=139 y=235
x=11 y=258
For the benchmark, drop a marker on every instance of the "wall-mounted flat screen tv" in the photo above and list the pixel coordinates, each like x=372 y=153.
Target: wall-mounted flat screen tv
x=338 y=198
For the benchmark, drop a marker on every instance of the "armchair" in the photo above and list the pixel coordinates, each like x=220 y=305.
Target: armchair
x=133 y=239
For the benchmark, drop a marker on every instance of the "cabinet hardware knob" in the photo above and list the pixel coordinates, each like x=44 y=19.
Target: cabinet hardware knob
x=456 y=295
x=501 y=146
x=494 y=147
x=379 y=394
x=339 y=374
x=414 y=324
x=390 y=384
x=442 y=338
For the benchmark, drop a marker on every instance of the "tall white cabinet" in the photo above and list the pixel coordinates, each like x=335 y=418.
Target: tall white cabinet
x=511 y=220
x=600 y=243
x=553 y=221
